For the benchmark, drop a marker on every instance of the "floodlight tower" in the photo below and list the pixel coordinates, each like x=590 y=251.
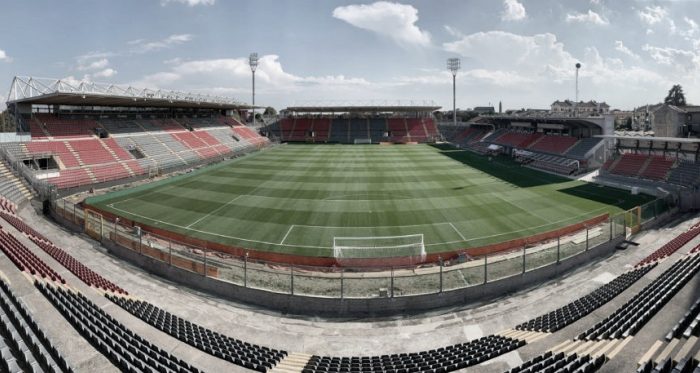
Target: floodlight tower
x=253 y=61
x=453 y=65
x=578 y=66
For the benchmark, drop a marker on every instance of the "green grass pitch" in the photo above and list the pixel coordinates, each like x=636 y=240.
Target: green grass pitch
x=296 y=198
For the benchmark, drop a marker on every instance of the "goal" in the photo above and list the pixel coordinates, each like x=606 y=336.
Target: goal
x=379 y=251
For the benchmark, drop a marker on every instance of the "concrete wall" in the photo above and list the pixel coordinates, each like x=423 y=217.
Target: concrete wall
x=667 y=122
x=333 y=307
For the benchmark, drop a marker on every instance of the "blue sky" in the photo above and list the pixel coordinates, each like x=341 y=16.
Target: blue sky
x=520 y=52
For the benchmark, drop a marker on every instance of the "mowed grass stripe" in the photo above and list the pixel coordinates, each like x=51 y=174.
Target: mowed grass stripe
x=317 y=196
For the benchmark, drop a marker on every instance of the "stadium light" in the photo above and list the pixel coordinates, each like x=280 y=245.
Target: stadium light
x=578 y=66
x=453 y=65
x=253 y=61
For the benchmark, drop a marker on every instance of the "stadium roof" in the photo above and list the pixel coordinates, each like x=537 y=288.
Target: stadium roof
x=44 y=91
x=343 y=106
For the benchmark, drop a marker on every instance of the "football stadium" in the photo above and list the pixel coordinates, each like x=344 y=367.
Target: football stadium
x=154 y=230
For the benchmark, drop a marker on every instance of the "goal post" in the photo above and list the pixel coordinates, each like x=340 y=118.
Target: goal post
x=379 y=250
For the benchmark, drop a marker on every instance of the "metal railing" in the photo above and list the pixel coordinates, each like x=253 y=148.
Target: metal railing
x=339 y=283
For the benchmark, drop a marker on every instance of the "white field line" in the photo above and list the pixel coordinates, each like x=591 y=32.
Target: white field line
x=515 y=231
x=209 y=214
x=212 y=233
x=458 y=232
x=340 y=197
x=285 y=236
x=371 y=226
x=518 y=206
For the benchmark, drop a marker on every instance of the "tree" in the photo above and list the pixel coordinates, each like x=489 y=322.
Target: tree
x=270 y=111
x=675 y=96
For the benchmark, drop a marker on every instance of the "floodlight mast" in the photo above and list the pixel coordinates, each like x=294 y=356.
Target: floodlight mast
x=453 y=65
x=578 y=66
x=253 y=61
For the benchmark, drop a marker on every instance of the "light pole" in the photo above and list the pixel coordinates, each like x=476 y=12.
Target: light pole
x=253 y=61
x=578 y=66
x=453 y=65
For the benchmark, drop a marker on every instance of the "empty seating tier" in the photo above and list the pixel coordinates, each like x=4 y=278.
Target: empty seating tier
x=430 y=127
x=25 y=259
x=53 y=148
x=92 y=152
x=688 y=325
x=24 y=345
x=657 y=168
x=68 y=127
x=517 y=139
x=300 y=129
x=235 y=351
x=416 y=129
x=669 y=366
x=671 y=246
x=554 y=144
x=126 y=349
x=582 y=147
x=632 y=315
x=441 y=360
x=339 y=131
x=685 y=173
x=567 y=315
x=548 y=363
x=321 y=128
x=629 y=164
x=74 y=266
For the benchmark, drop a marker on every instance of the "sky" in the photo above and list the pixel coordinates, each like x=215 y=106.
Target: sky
x=519 y=52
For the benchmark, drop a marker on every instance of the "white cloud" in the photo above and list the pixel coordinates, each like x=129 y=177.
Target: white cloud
x=590 y=17
x=106 y=73
x=269 y=74
x=391 y=20
x=3 y=56
x=143 y=47
x=682 y=60
x=174 y=61
x=653 y=15
x=620 y=47
x=519 y=64
x=188 y=2
x=94 y=65
x=514 y=11
x=540 y=54
x=453 y=32
x=94 y=55
x=692 y=29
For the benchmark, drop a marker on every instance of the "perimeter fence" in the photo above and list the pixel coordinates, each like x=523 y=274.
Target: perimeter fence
x=447 y=274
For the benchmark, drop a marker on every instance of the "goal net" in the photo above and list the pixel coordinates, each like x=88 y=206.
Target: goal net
x=379 y=251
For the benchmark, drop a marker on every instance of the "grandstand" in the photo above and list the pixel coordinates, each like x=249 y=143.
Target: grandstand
x=562 y=145
x=85 y=148
x=653 y=162
x=358 y=122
